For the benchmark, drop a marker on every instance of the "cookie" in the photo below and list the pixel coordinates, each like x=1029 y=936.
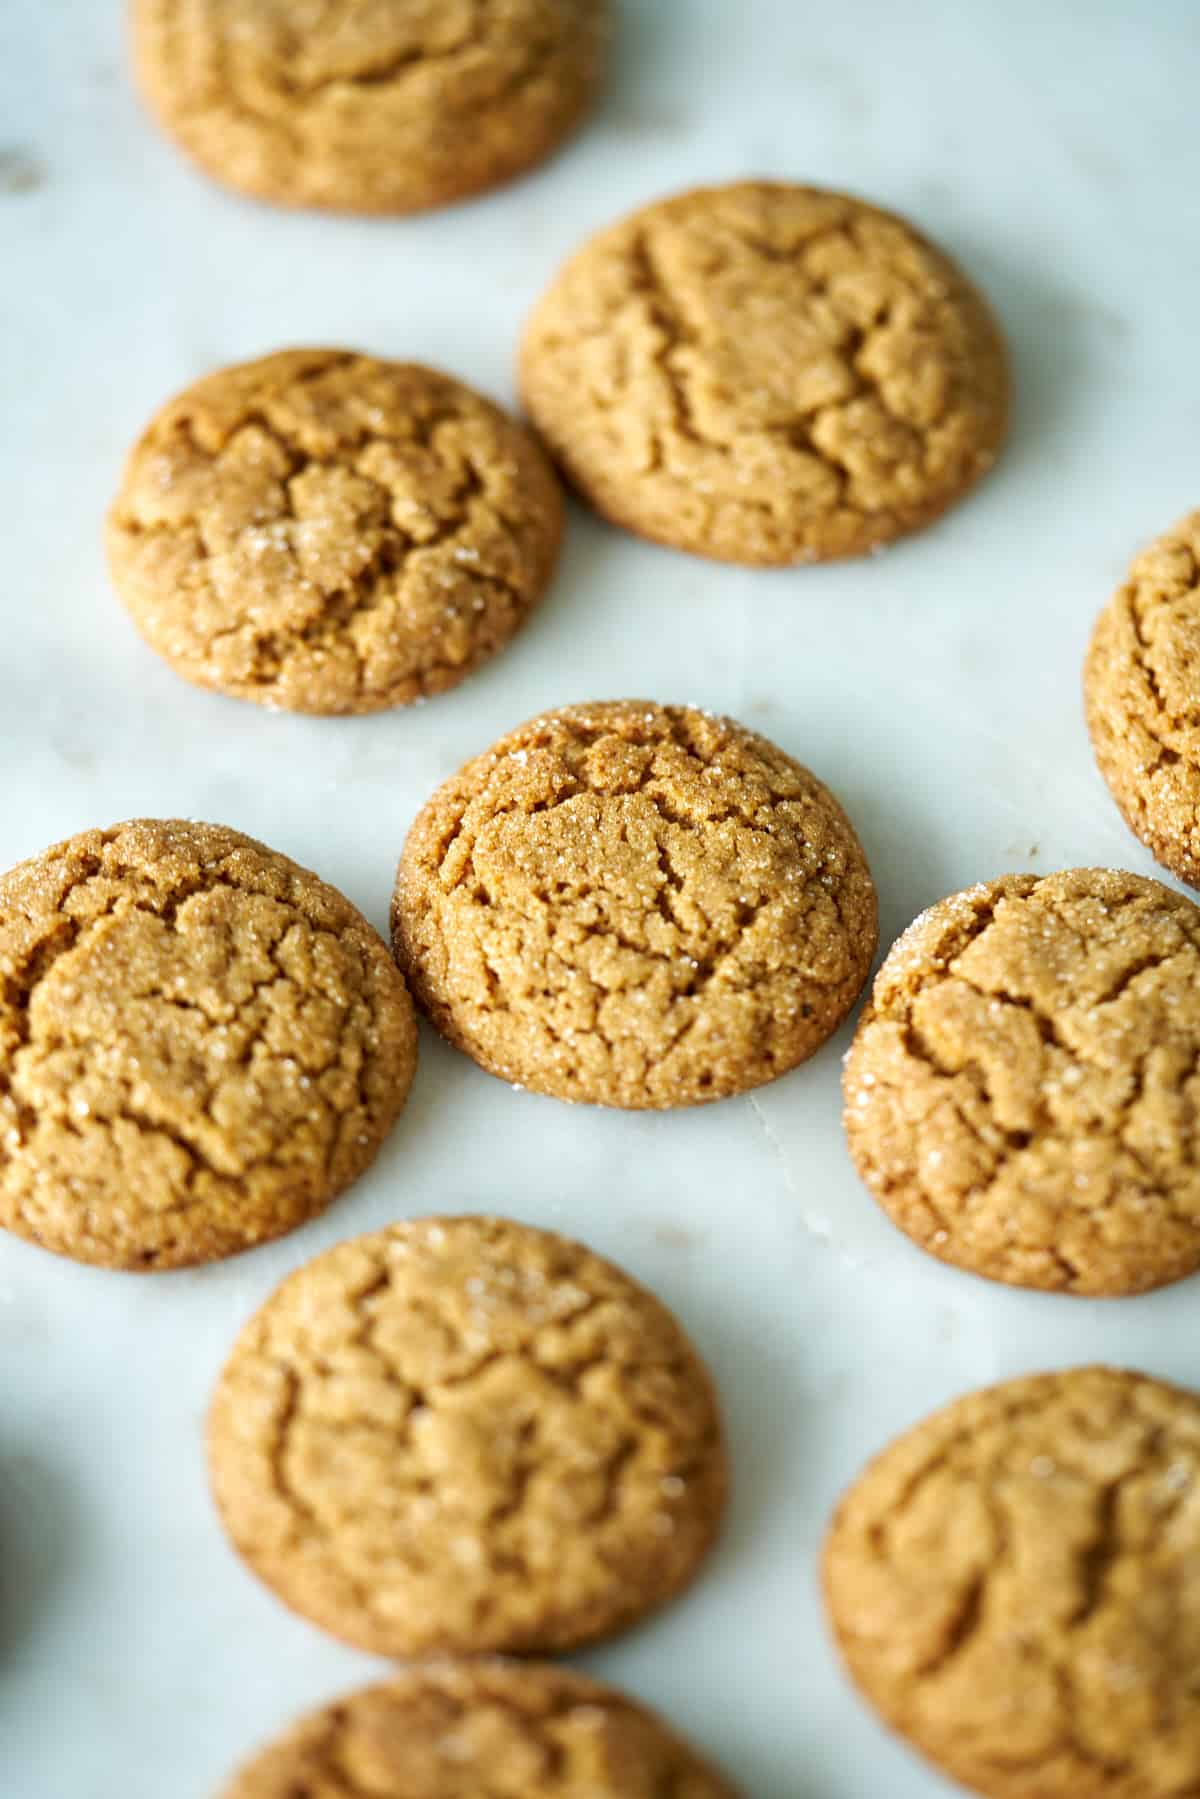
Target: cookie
x=458 y=1730
x=1022 y=1094
x=391 y=106
x=766 y=374
x=328 y=533
x=201 y=1044
x=463 y=1435
x=1015 y=1586
x=634 y=905
x=1142 y=694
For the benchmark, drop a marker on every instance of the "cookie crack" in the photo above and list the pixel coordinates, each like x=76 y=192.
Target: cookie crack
x=653 y=786
x=341 y=599
x=650 y=284
x=420 y=432
x=800 y=430
x=537 y=51
x=335 y=1766
x=1094 y=1563
x=706 y=864
x=568 y=1377
x=673 y=1776
x=234 y=99
x=1013 y=1141
x=664 y=309
x=365 y=592
x=19 y=987
x=1165 y=718
x=608 y=1506
x=1146 y=664
x=379 y=72
x=296 y=1505
x=1146 y=964
x=960 y=1629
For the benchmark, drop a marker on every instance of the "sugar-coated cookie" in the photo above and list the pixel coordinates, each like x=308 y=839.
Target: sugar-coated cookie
x=326 y=532
x=766 y=374
x=460 y=1730
x=463 y=1435
x=386 y=106
x=1015 y=1586
x=201 y=1044
x=1142 y=693
x=1023 y=1095
x=635 y=905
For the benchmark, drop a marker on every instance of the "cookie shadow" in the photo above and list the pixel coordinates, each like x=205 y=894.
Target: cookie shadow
x=636 y=105
x=437 y=1091
x=570 y=622
x=763 y=1401
x=408 y=1179
x=39 y=1543
x=911 y=864
x=583 y=627
x=1059 y=339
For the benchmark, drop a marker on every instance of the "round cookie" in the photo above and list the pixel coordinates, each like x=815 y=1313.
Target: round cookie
x=201 y=1044
x=1023 y=1095
x=326 y=532
x=1142 y=695
x=458 y=1730
x=1015 y=1586
x=391 y=106
x=464 y=1435
x=634 y=905
x=766 y=374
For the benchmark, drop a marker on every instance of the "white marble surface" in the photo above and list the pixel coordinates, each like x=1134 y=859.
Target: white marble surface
x=1054 y=148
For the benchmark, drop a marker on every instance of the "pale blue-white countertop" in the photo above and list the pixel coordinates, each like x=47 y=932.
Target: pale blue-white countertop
x=1054 y=148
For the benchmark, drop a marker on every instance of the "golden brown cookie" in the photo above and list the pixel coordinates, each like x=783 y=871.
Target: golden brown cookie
x=1142 y=692
x=471 y=1730
x=635 y=905
x=201 y=1044
x=464 y=1435
x=1015 y=1586
x=766 y=374
x=382 y=106
x=325 y=532
x=1023 y=1095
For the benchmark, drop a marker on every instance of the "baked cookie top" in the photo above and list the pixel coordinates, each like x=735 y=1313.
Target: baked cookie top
x=201 y=1044
x=1015 y=1585
x=474 y=1729
x=326 y=532
x=465 y=1435
x=1022 y=1094
x=381 y=106
x=1142 y=692
x=635 y=905
x=766 y=374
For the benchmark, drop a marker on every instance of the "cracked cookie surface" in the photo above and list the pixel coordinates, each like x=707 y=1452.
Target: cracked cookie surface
x=1142 y=694
x=481 y=1730
x=201 y=1044
x=1023 y=1091
x=766 y=374
x=634 y=905
x=329 y=533
x=368 y=106
x=465 y=1435
x=1015 y=1586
